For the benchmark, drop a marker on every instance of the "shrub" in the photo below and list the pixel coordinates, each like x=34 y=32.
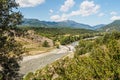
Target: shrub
x=45 y=44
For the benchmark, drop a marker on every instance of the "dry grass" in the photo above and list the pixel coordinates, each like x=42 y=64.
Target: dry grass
x=32 y=47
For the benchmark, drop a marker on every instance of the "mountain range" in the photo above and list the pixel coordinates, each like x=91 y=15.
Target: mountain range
x=115 y=25
x=62 y=24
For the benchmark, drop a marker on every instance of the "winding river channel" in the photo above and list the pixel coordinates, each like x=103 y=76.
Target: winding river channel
x=32 y=63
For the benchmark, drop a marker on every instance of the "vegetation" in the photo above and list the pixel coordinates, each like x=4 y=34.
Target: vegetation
x=45 y=44
x=10 y=50
x=54 y=32
x=62 y=35
x=97 y=59
x=114 y=26
x=69 y=39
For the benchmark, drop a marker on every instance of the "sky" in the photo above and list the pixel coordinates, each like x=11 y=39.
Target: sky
x=92 y=12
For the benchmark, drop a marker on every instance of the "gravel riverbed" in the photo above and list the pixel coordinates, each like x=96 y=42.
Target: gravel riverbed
x=32 y=63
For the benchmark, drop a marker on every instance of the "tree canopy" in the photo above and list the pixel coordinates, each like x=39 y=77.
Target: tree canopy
x=10 y=50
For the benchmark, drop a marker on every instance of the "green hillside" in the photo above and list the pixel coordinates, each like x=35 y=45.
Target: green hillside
x=52 y=32
x=114 y=26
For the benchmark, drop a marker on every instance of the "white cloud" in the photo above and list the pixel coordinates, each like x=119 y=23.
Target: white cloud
x=51 y=11
x=29 y=3
x=55 y=17
x=86 y=8
x=115 y=18
x=67 y=5
x=59 y=18
x=101 y=14
x=113 y=13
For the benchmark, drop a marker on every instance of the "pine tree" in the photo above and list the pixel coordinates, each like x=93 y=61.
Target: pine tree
x=10 y=50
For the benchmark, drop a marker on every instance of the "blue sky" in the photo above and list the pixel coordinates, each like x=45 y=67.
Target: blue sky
x=90 y=12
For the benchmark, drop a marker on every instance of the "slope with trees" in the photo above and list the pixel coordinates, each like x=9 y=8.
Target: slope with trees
x=114 y=26
x=60 y=34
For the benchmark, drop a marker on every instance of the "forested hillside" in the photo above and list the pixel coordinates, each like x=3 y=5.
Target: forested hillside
x=97 y=59
x=114 y=26
x=61 y=35
x=56 y=32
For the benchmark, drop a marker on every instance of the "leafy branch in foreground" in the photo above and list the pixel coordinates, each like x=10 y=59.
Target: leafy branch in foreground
x=10 y=50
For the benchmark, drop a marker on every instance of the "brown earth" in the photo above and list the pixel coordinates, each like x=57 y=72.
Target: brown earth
x=33 y=43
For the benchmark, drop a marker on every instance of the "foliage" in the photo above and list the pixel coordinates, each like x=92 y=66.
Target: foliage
x=69 y=39
x=29 y=76
x=10 y=50
x=84 y=47
x=45 y=44
x=102 y=62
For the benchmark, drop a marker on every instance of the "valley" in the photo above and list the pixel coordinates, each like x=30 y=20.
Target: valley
x=59 y=40
x=63 y=47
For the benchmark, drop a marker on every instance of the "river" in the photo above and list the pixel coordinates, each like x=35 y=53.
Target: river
x=32 y=63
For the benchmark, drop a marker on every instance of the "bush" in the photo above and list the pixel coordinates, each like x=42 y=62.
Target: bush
x=69 y=39
x=45 y=44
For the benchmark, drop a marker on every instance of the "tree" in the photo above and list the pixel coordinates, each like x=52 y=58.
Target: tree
x=45 y=44
x=10 y=50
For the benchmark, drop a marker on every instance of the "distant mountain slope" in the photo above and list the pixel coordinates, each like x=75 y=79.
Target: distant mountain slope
x=67 y=23
x=74 y=24
x=115 y=25
x=99 y=26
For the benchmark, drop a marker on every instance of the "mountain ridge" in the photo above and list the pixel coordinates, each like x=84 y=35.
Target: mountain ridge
x=62 y=24
x=115 y=25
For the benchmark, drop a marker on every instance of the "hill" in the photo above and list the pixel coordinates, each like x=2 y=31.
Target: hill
x=32 y=42
x=98 y=26
x=115 y=25
x=48 y=24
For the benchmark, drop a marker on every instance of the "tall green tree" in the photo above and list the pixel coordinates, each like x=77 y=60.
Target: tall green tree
x=10 y=50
